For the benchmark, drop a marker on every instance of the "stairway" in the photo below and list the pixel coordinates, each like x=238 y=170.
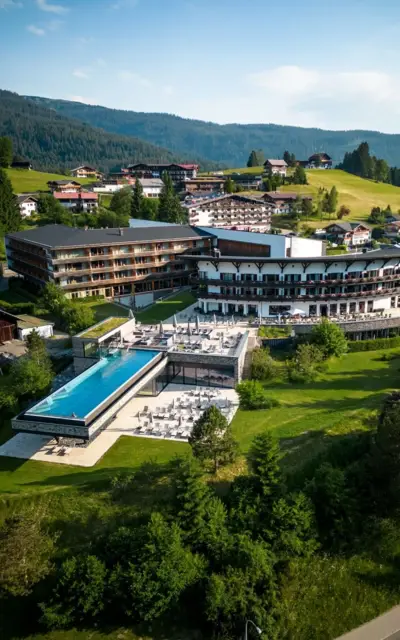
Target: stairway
x=251 y=345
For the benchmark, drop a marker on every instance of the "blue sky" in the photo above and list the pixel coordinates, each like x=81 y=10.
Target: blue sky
x=326 y=63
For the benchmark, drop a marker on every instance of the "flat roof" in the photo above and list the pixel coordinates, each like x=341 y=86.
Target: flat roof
x=60 y=236
x=370 y=256
x=27 y=322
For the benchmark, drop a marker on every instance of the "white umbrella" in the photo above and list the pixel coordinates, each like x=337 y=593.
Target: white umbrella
x=215 y=319
x=175 y=321
x=233 y=320
x=131 y=314
x=297 y=312
x=161 y=329
x=259 y=313
x=197 y=323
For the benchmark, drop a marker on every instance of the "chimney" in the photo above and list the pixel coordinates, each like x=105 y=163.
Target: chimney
x=121 y=232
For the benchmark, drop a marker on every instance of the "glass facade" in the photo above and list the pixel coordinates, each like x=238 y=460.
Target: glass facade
x=190 y=374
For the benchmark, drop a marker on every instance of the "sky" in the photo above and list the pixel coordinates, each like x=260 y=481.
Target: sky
x=333 y=64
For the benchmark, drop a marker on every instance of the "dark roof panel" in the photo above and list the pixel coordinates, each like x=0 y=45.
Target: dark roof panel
x=58 y=235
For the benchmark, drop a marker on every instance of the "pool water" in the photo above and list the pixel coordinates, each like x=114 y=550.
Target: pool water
x=78 y=398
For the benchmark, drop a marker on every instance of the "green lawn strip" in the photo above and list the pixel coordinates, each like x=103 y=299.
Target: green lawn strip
x=165 y=308
x=106 y=309
x=104 y=328
x=26 y=181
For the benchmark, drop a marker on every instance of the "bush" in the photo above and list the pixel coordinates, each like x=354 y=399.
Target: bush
x=305 y=364
x=263 y=367
x=91 y=299
x=330 y=339
x=18 y=307
x=274 y=332
x=253 y=396
x=373 y=345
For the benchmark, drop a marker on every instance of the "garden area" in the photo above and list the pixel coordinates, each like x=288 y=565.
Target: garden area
x=290 y=519
x=165 y=308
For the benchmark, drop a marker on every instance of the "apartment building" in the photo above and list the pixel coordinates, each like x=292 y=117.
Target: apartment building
x=231 y=211
x=108 y=262
x=282 y=201
x=178 y=172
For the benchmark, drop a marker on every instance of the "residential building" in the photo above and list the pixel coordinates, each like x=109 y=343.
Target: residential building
x=108 y=262
x=204 y=186
x=27 y=204
x=392 y=230
x=232 y=211
x=246 y=181
x=152 y=187
x=178 y=172
x=108 y=186
x=270 y=276
x=282 y=201
x=24 y=164
x=80 y=201
x=317 y=161
x=65 y=186
x=86 y=172
x=392 y=217
x=275 y=167
x=351 y=234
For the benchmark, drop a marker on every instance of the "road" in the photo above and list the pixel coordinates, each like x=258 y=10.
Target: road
x=385 y=627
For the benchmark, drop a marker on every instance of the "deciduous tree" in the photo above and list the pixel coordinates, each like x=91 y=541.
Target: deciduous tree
x=330 y=338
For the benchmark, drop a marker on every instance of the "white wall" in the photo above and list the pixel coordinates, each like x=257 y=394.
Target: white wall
x=45 y=332
x=304 y=248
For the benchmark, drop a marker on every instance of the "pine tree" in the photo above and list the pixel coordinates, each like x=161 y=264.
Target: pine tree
x=6 y=152
x=299 y=176
x=137 y=199
x=331 y=203
x=191 y=498
x=253 y=160
x=264 y=460
x=10 y=216
x=229 y=186
x=211 y=439
x=170 y=209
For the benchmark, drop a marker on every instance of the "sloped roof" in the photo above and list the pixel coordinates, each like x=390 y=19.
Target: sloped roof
x=276 y=163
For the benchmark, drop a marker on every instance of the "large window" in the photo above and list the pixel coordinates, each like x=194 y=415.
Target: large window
x=203 y=376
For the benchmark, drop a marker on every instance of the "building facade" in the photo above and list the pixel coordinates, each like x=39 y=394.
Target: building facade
x=232 y=211
x=275 y=167
x=108 y=262
x=27 y=205
x=64 y=186
x=282 y=201
x=178 y=172
x=77 y=201
x=352 y=234
x=268 y=285
x=86 y=172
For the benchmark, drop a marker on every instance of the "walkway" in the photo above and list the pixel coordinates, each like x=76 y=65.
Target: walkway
x=385 y=627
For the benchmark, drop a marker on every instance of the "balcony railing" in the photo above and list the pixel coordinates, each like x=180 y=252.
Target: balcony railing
x=298 y=283
x=300 y=298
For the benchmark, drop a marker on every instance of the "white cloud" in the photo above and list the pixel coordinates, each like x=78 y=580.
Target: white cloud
x=10 y=4
x=37 y=31
x=51 y=8
x=135 y=78
x=80 y=73
x=82 y=99
x=328 y=99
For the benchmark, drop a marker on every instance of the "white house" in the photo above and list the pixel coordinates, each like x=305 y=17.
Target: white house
x=151 y=187
x=27 y=205
x=275 y=167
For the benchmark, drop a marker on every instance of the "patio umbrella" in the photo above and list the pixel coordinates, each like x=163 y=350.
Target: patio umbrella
x=131 y=314
x=173 y=403
x=215 y=319
x=259 y=313
x=161 y=329
x=233 y=319
x=175 y=321
x=197 y=323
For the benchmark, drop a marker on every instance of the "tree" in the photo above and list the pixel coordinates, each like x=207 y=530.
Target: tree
x=36 y=346
x=306 y=208
x=229 y=186
x=264 y=460
x=25 y=554
x=31 y=376
x=331 y=201
x=53 y=298
x=305 y=364
x=382 y=171
x=149 y=209
x=6 y=152
x=162 y=571
x=263 y=366
x=377 y=216
x=211 y=438
x=51 y=211
x=191 y=498
x=388 y=434
x=330 y=338
x=170 y=209
x=137 y=199
x=10 y=216
x=343 y=212
x=299 y=175
x=256 y=158
x=291 y=529
x=79 y=594
x=253 y=396
x=77 y=317
x=121 y=202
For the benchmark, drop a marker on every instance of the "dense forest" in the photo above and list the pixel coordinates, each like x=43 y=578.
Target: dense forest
x=54 y=142
x=228 y=144
x=361 y=163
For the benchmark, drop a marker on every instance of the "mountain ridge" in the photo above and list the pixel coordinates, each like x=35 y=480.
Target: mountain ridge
x=226 y=144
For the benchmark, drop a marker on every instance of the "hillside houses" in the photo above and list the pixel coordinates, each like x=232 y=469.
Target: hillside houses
x=86 y=172
x=27 y=204
x=282 y=201
x=351 y=234
x=275 y=167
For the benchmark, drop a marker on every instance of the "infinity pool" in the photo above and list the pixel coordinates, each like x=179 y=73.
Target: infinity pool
x=78 y=398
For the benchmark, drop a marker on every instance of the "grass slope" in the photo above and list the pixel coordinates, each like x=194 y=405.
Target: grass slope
x=27 y=181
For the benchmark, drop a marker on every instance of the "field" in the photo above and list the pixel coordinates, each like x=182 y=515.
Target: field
x=27 y=181
x=166 y=308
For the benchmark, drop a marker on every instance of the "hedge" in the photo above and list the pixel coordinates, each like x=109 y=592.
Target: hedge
x=18 y=307
x=89 y=299
x=373 y=345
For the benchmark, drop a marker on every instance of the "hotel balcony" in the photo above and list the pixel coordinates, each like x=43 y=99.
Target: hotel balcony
x=297 y=283
x=254 y=297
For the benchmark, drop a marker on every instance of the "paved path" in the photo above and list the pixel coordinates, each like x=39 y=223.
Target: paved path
x=386 y=627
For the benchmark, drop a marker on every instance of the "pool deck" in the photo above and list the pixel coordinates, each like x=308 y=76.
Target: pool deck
x=43 y=449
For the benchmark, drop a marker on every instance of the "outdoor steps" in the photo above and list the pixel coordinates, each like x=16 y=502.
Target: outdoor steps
x=251 y=345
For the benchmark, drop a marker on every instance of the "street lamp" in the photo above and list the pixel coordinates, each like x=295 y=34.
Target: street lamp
x=259 y=631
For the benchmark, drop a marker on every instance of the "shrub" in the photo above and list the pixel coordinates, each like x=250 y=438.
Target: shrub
x=305 y=364
x=263 y=367
x=18 y=307
x=330 y=338
x=253 y=396
x=91 y=299
x=373 y=345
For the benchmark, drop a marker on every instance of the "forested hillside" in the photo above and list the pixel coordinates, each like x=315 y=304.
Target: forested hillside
x=229 y=144
x=53 y=142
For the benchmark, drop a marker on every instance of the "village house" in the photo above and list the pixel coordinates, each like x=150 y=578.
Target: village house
x=351 y=234
x=64 y=186
x=81 y=201
x=151 y=187
x=392 y=230
x=205 y=186
x=282 y=201
x=392 y=217
x=86 y=172
x=27 y=204
x=246 y=181
x=317 y=161
x=24 y=164
x=275 y=167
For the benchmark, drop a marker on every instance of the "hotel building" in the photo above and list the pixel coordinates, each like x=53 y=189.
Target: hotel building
x=108 y=262
x=232 y=211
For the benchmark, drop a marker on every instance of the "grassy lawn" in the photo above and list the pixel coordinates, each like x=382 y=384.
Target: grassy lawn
x=37 y=180
x=104 y=309
x=104 y=328
x=164 y=309
x=342 y=401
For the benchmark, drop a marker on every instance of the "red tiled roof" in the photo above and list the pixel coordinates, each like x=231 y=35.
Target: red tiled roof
x=72 y=195
x=189 y=166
